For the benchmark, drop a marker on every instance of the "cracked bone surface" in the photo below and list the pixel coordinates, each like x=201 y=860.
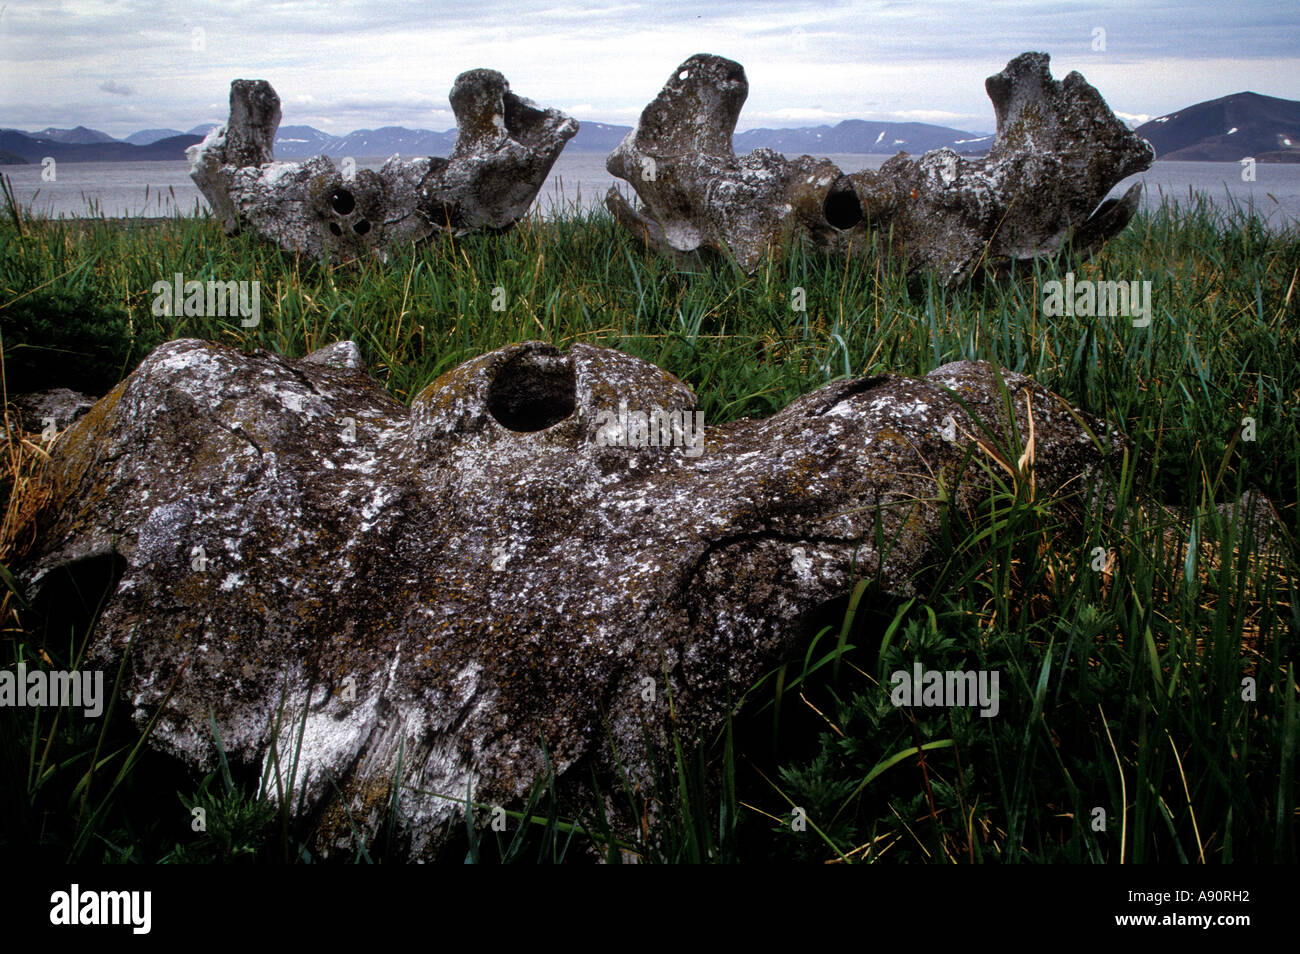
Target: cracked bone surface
x=504 y=150
x=1057 y=152
x=486 y=582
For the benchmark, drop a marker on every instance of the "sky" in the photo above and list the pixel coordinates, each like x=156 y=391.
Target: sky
x=125 y=65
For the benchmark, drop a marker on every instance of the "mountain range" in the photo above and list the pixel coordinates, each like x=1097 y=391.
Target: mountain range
x=1226 y=129
x=1229 y=129
x=301 y=142
x=74 y=145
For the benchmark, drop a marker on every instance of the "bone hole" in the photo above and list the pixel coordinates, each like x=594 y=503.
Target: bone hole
x=842 y=208
x=342 y=201
x=334 y=227
x=533 y=392
x=362 y=227
x=683 y=74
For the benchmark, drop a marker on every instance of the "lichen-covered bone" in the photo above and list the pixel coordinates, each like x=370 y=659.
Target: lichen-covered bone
x=493 y=577
x=246 y=141
x=504 y=150
x=1058 y=151
x=695 y=192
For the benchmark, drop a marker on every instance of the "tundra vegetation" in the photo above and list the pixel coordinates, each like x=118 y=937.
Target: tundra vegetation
x=1148 y=704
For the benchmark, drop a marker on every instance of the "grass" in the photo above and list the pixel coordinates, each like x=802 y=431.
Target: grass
x=1126 y=732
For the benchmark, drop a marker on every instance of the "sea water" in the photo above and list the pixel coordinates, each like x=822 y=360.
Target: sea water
x=579 y=180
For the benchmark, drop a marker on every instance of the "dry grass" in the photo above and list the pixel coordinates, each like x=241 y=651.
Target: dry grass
x=26 y=487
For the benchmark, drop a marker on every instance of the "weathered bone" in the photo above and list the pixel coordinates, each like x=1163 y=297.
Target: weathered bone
x=504 y=151
x=1057 y=152
x=499 y=574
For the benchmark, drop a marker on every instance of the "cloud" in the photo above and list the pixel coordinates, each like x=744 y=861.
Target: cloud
x=938 y=116
x=345 y=66
x=1133 y=120
x=813 y=114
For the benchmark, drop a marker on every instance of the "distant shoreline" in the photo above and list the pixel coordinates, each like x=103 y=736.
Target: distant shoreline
x=1276 y=158
x=140 y=195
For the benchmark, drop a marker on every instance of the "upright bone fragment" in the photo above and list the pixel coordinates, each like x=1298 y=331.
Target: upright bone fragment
x=695 y=191
x=1057 y=152
x=246 y=140
x=504 y=151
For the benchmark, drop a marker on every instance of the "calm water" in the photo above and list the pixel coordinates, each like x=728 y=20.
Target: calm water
x=163 y=188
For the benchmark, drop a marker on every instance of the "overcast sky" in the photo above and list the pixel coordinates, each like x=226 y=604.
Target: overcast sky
x=124 y=65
